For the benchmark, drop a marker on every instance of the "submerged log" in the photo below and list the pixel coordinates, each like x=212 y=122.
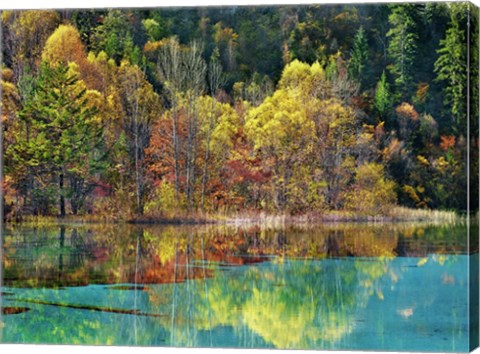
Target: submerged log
x=91 y=308
x=14 y=310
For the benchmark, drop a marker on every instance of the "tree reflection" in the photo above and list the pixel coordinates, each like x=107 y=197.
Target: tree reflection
x=291 y=288
x=110 y=254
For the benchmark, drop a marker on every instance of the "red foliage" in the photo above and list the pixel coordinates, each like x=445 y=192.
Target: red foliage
x=245 y=168
x=102 y=189
x=447 y=142
x=159 y=154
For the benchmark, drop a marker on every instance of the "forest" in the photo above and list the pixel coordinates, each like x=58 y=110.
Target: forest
x=134 y=113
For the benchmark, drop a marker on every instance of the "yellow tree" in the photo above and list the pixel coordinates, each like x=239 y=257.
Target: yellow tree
x=309 y=80
x=218 y=125
x=65 y=46
x=371 y=192
x=9 y=106
x=140 y=107
x=336 y=132
x=284 y=135
x=334 y=129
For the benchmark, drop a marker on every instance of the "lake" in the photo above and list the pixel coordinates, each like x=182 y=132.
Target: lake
x=341 y=286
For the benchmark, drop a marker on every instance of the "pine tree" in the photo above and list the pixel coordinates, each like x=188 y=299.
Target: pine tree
x=403 y=46
x=451 y=65
x=60 y=131
x=382 y=100
x=359 y=57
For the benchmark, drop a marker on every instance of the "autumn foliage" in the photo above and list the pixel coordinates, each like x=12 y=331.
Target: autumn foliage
x=123 y=115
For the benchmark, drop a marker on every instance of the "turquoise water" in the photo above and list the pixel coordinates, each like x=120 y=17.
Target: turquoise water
x=365 y=288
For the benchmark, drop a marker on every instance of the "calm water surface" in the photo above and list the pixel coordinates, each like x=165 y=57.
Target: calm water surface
x=367 y=287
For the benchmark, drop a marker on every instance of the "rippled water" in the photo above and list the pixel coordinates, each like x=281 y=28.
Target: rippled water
x=367 y=287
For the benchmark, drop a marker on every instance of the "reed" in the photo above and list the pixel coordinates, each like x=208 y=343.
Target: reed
x=439 y=216
x=258 y=218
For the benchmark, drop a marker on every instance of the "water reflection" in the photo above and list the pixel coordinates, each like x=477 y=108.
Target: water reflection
x=110 y=254
x=333 y=287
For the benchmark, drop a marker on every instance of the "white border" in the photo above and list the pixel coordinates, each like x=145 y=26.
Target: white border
x=62 y=4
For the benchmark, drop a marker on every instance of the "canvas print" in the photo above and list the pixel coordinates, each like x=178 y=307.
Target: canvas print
x=288 y=177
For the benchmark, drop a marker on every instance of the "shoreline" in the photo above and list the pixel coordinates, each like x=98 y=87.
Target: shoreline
x=397 y=215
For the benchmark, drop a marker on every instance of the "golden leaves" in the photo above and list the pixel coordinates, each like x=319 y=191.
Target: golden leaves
x=423 y=160
x=422 y=262
x=394 y=148
x=408 y=111
x=64 y=45
x=422 y=91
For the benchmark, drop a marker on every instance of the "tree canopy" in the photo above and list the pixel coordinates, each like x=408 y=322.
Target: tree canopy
x=289 y=109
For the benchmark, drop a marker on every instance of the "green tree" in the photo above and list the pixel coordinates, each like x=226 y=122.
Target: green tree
x=306 y=40
x=152 y=28
x=382 y=100
x=359 y=57
x=403 y=45
x=451 y=65
x=86 y=21
x=59 y=132
x=117 y=36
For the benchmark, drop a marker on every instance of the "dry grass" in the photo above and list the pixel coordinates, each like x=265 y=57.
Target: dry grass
x=263 y=219
x=396 y=214
x=437 y=216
